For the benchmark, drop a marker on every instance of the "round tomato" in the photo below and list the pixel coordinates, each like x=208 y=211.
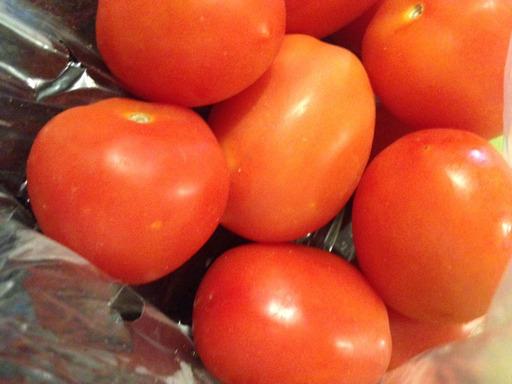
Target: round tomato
x=321 y=18
x=189 y=52
x=296 y=141
x=411 y=337
x=267 y=314
x=432 y=224
x=438 y=63
x=134 y=187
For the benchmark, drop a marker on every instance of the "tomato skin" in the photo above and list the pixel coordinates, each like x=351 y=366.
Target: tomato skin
x=189 y=53
x=136 y=199
x=296 y=141
x=411 y=337
x=443 y=65
x=432 y=224
x=290 y=314
x=321 y=18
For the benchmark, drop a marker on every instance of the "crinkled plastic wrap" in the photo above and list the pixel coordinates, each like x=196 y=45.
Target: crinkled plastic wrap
x=62 y=321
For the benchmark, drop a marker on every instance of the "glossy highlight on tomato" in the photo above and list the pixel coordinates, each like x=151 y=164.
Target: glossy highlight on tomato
x=432 y=224
x=136 y=188
x=296 y=141
x=267 y=314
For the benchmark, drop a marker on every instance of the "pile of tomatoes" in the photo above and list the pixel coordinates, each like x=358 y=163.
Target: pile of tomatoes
x=289 y=132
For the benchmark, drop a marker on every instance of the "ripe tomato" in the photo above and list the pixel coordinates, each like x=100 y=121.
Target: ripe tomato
x=296 y=141
x=189 y=52
x=136 y=188
x=411 y=337
x=438 y=63
x=321 y=18
x=432 y=224
x=270 y=314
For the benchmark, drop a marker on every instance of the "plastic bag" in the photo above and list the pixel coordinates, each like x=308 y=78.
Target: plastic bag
x=61 y=321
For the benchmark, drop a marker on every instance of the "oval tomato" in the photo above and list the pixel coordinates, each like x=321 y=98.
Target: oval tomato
x=191 y=53
x=270 y=314
x=411 y=337
x=320 y=18
x=296 y=141
x=432 y=224
x=438 y=63
x=136 y=188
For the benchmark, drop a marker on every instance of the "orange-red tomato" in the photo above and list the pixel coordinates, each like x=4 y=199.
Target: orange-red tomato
x=438 y=63
x=136 y=188
x=432 y=224
x=267 y=314
x=321 y=18
x=411 y=337
x=296 y=141
x=193 y=52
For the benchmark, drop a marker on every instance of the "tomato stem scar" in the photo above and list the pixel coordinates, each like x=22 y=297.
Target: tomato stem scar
x=416 y=11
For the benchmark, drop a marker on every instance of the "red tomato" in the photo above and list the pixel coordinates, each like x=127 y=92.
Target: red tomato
x=411 y=337
x=189 y=52
x=321 y=18
x=270 y=314
x=135 y=188
x=439 y=63
x=296 y=141
x=432 y=224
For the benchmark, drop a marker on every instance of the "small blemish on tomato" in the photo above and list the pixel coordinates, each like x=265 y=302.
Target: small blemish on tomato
x=156 y=225
x=140 y=117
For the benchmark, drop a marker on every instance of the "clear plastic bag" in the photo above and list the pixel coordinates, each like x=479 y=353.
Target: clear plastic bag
x=62 y=321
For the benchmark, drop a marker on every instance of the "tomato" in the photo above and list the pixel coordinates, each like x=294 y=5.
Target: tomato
x=438 y=63
x=432 y=224
x=321 y=18
x=290 y=314
x=411 y=337
x=191 y=53
x=296 y=141
x=136 y=188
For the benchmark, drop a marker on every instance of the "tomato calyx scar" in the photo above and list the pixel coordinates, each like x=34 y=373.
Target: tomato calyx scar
x=415 y=11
